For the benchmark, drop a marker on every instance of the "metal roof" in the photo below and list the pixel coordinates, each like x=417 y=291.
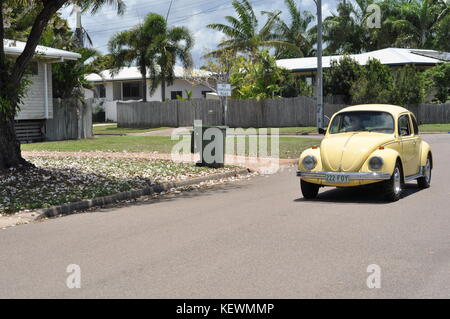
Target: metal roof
x=389 y=56
x=13 y=47
x=133 y=73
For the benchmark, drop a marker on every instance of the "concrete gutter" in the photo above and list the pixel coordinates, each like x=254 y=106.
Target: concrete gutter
x=72 y=208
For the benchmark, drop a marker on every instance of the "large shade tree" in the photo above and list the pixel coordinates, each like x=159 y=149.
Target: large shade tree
x=12 y=70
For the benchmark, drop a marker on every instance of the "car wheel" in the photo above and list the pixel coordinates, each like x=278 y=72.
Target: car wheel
x=425 y=181
x=394 y=186
x=309 y=190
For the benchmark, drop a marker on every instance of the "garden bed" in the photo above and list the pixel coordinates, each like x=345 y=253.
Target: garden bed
x=55 y=181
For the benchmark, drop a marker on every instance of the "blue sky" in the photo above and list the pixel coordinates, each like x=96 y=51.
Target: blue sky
x=194 y=14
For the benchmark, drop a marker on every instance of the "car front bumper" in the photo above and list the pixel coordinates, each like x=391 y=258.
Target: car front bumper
x=351 y=176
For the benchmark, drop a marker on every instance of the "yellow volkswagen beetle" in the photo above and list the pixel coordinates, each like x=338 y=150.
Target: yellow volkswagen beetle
x=368 y=144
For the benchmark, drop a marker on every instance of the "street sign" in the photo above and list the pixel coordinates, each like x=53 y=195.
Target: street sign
x=223 y=89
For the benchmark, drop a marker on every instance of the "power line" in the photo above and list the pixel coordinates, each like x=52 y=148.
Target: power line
x=180 y=19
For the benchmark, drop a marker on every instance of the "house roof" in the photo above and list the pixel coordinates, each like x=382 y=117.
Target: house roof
x=389 y=56
x=13 y=47
x=133 y=73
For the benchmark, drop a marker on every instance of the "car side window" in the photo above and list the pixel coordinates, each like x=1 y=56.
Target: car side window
x=415 y=125
x=404 y=128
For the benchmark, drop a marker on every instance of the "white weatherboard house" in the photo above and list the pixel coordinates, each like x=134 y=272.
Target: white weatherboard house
x=37 y=106
x=392 y=57
x=126 y=85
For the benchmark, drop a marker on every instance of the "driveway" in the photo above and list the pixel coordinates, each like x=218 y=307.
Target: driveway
x=252 y=239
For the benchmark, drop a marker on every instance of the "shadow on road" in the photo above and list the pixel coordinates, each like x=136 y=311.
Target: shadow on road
x=212 y=190
x=360 y=195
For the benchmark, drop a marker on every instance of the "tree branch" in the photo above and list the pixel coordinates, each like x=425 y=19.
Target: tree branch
x=49 y=9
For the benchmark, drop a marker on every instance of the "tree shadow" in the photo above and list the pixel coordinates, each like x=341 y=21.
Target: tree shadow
x=190 y=192
x=371 y=194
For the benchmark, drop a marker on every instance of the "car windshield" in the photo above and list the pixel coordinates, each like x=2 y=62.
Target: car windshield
x=362 y=121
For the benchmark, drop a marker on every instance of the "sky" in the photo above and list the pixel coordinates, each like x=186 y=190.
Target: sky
x=194 y=14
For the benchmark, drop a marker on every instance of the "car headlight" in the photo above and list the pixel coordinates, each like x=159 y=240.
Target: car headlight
x=309 y=162
x=376 y=163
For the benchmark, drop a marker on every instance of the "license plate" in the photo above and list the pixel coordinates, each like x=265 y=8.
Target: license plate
x=337 y=179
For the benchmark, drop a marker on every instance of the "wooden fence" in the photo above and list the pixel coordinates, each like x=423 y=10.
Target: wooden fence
x=299 y=111
x=431 y=113
x=72 y=120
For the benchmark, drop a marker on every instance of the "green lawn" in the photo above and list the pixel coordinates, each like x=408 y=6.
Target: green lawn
x=290 y=147
x=113 y=129
x=297 y=130
x=161 y=144
x=435 y=128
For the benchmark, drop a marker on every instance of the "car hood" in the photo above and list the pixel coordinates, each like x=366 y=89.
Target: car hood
x=347 y=152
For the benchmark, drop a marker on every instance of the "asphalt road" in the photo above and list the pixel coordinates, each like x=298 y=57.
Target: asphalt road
x=253 y=239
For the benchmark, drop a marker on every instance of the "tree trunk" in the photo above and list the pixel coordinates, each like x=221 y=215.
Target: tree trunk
x=163 y=89
x=144 y=88
x=10 y=81
x=10 y=155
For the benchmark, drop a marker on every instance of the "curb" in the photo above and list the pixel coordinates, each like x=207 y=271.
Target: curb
x=75 y=207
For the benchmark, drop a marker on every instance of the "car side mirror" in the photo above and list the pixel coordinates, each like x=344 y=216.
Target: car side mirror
x=322 y=131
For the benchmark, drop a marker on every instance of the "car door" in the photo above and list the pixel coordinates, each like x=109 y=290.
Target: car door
x=417 y=142
x=408 y=142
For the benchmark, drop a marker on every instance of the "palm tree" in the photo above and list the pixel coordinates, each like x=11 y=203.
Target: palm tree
x=296 y=33
x=419 y=21
x=136 y=47
x=242 y=33
x=171 y=45
x=346 y=31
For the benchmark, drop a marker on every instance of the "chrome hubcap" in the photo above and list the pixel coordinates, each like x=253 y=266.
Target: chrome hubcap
x=397 y=181
x=428 y=171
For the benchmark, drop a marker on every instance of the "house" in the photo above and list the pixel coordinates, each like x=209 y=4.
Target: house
x=37 y=105
x=393 y=57
x=126 y=85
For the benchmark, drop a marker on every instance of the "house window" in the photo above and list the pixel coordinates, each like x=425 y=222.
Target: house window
x=32 y=69
x=100 y=91
x=205 y=92
x=131 y=90
x=174 y=94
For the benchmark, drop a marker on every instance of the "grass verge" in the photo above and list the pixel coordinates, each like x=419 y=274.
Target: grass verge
x=113 y=129
x=444 y=128
x=289 y=147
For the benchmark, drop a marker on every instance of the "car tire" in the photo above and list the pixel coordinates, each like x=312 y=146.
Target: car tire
x=394 y=186
x=309 y=190
x=425 y=181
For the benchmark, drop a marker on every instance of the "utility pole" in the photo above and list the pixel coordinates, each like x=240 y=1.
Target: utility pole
x=319 y=76
x=79 y=29
x=168 y=11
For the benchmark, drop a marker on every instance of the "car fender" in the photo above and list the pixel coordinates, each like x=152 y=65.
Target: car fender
x=425 y=149
x=313 y=152
x=389 y=157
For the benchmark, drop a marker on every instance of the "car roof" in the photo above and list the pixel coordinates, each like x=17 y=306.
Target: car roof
x=392 y=109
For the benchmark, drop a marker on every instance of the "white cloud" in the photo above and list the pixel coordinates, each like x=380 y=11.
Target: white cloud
x=194 y=14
